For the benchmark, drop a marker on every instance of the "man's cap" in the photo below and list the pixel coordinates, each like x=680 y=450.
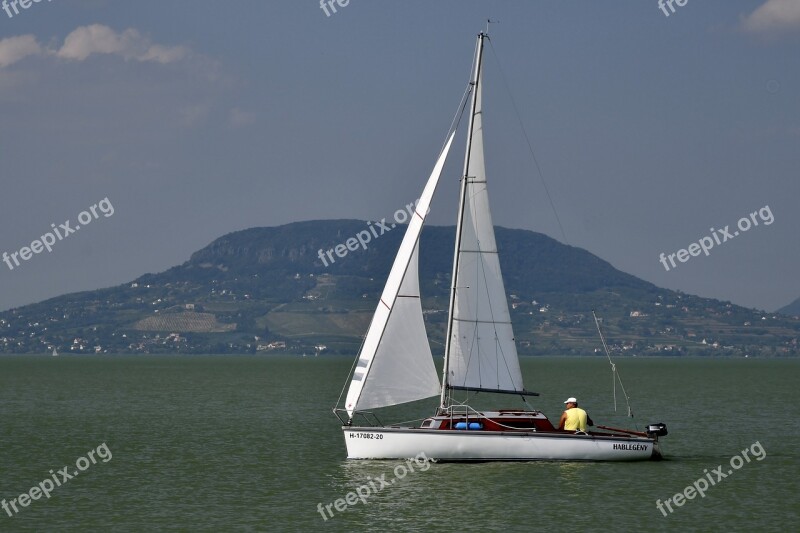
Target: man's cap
x=571 y=400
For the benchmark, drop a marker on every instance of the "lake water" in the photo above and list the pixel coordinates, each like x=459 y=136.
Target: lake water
x=250 y=444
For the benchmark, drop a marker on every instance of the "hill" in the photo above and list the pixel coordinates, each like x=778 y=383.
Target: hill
x=793 y=309
x=291 y=288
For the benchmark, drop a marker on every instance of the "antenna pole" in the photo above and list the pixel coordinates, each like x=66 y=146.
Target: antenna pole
x=614 y=374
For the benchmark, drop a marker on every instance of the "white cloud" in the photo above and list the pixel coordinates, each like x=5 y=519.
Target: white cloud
x=164 y=54
x=774 y=16
x=97 y=39
x=130 y=44
x=86 y=41
x=14 y=49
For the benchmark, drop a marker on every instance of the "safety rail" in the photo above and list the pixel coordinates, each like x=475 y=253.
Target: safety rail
x=348 y=421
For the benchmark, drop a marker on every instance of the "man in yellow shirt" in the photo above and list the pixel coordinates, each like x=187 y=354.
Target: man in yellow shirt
x=574 y=418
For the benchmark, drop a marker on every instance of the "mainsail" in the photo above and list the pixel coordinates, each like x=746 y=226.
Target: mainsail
x=482 y=352
x=395 y=364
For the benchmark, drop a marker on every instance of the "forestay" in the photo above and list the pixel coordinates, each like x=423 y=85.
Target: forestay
x=395 y=364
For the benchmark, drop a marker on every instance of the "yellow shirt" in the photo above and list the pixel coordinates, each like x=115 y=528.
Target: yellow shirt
x=576 y=419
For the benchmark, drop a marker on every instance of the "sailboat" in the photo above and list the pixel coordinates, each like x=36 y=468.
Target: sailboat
x=395 y=362
x=55 y=352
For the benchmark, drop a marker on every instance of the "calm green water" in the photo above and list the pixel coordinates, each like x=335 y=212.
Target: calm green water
x=249 y=443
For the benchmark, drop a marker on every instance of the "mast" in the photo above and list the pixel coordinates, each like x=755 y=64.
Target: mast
x=459 y=224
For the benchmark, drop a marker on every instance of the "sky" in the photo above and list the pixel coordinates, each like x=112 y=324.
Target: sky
x=159 y=126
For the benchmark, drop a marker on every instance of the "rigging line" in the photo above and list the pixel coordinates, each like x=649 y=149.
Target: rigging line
x=525 y=401
x=462 y=106
x=480 y=268
x=530 y=145
x=614 y=373
x=481 y=265
x=406 y=422
x=474 y=341
x=454 y=124
x=476 y=346
x=470 y=396
x=494 y=328
x=480 y=415
x=474 y=67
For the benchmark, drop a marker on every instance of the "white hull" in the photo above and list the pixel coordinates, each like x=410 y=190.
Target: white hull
x=460 y=445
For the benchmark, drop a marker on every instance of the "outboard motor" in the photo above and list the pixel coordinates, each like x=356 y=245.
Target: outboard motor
x=656 y=430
